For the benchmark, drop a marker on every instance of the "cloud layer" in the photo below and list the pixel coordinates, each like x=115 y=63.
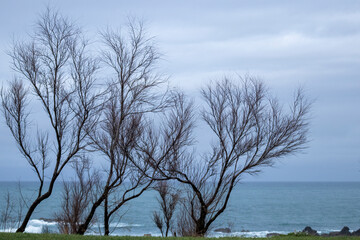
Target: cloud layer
x=287 y=43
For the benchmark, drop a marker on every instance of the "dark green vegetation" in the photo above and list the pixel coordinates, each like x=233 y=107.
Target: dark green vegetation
x=30 y=236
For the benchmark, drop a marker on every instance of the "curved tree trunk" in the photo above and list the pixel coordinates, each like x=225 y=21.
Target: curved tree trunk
x=35 y=204
x=84 y=226
x=29 y=213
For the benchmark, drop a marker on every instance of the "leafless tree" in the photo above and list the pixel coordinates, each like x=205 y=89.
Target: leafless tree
x=134 y=94
x=11 y=213
x=55 y=66
x=141 y=171
x=169 y=198
x=77 y=195
x=185 y=225
x=250 y=131
x=6 y=213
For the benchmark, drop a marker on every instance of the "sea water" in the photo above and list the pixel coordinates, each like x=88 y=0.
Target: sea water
x=255 y=209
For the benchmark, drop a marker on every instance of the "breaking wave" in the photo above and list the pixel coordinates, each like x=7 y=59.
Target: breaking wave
x=38 y=226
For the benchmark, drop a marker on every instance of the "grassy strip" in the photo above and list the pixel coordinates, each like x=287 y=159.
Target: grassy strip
x=30 y=236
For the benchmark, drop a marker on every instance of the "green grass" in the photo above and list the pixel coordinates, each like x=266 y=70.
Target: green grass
x=30 y=236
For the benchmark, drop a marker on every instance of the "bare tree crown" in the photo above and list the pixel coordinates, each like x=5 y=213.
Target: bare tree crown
x=57 y=69
x=250 y=131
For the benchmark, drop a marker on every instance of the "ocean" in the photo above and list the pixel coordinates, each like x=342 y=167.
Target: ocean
x=255 y=209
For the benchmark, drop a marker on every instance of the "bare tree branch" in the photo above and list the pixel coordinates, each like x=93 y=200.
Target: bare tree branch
x=77 y=195
x=168 y=200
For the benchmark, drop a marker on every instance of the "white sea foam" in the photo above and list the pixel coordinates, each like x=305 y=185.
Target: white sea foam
x=33 y=229
x=37 y=225
x=124 y=225
x=137 y=234
x=8 y=230
x=245 y=234
x=120 y=225
x=34 y=226
x=42 y=222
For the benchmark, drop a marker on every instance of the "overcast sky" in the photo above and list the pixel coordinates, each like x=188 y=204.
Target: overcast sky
x=315 y=44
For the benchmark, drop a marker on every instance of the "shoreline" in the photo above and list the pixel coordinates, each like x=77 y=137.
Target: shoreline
x=47 y=226
x=28 y=236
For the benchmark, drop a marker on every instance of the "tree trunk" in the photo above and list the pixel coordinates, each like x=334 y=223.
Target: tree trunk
x=106 y=218
x=33 y=206
x=83 y=227
x=28 y=215
x=201 y=229
x=167 y=229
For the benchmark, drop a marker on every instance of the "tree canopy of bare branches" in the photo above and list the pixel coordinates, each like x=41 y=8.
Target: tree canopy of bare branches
x=144 y=131
x=55 y=66
x=169 y=198
x=11 y=213
x=77 y=195
x=250 y=132
x=134 y=94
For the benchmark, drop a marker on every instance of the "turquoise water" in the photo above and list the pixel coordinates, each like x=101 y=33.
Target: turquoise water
x=255 y=208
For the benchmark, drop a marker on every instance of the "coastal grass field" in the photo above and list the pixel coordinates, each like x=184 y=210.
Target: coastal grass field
x=32 y=236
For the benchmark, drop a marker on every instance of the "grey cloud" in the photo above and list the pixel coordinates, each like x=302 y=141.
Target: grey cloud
x=287 y=43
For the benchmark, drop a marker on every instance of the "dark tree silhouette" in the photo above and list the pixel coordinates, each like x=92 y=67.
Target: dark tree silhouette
x=250 y=131
x=55 y=68
x=169 y=198
x=135 y=97
x=11 y=212
x=144 y=132
x=77 y=195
